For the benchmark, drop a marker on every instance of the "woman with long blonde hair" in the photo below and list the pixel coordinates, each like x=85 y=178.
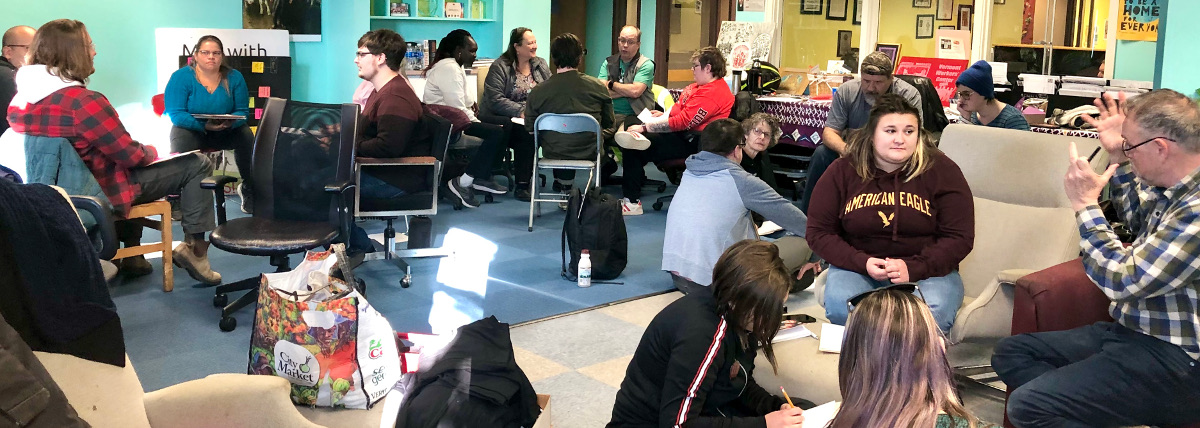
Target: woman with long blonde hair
x=893 y=370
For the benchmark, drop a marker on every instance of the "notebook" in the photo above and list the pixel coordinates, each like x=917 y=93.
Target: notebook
x=218 y=116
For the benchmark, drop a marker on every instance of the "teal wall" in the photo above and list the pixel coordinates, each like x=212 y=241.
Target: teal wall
x=599 y=36
x=1178 y=62
x=531 y=14
x=1135 y=60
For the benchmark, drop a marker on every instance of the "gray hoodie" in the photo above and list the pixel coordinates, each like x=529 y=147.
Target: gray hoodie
x=711 y=211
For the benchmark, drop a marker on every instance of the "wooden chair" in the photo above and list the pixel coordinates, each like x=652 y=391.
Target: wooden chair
x=140 y=214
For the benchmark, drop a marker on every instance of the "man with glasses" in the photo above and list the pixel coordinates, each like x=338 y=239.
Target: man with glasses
x=1142 y=368
x=712 y=208
x=629 y=76
x=12 y=56
x=851 y=107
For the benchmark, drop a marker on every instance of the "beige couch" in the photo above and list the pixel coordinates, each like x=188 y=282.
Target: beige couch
x=1023 y=223
x=110 y=396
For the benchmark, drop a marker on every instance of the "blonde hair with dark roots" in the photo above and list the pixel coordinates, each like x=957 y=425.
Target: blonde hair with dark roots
x=892 y=371
x=860 y=147
x=60 y=45
x=750 y=284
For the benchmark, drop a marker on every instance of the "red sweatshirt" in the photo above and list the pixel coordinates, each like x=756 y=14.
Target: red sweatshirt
x=700 y=104
x=929 y=221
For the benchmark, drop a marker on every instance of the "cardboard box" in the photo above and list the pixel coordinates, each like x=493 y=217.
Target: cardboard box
x=543 y=421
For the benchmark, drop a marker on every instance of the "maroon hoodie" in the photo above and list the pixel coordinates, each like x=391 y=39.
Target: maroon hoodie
x=929 y=221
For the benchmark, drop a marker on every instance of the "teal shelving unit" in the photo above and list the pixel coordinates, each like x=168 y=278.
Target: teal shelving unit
x=486 y=29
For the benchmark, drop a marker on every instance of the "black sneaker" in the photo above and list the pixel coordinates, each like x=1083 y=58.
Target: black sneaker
x=489 y=187
x=247 y=198
x=133 y=267
x=464 y=194
x=522 y=194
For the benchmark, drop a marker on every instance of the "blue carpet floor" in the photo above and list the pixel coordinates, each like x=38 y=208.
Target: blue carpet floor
x=501 y=269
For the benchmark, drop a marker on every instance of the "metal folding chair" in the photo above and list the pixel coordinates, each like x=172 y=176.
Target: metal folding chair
x=564 y=124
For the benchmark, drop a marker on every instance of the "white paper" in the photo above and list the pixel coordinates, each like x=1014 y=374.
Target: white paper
x=835 y=65
x=819 y=417
x=797 y=332
x=768 y=227
x=781 y=99
x=645 y=116
x=519 y=121
x=999 y=72
x=831 y=338
x=1038 y=83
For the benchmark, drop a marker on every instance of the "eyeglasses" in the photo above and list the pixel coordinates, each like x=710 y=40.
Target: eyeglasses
x=760 y=132
x=909 y=287
x=694 y=66
x=625 y=41
x=966 y=95
x=1125 y=147
x=209 y=53
x=362 y=54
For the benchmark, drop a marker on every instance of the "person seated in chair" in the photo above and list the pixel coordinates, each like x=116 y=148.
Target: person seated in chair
x=673 y=136
x=630 y=77
x=712 y=210
x=892 y=370
x=52 y=101
x=509 y=80
x=977 y=103
x=694 y=366
x=568 y=91
x=209 y=86
x=1142 y=368
x=894 y=209
x=446 y=84
x=850 y=110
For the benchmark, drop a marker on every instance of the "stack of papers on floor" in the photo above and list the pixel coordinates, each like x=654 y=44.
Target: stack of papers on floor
x=797 y=332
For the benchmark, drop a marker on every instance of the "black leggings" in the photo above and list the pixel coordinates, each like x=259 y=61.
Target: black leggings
x=663 y=146
x=494 y=139
x=239 y=139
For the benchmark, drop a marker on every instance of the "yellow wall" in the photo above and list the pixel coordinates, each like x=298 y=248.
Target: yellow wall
x=810 y=40
x=1006 y=22
x=688 y=39
x=898 y=24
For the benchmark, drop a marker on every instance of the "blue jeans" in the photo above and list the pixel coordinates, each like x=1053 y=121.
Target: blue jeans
x=374 y=188
x=1103 y=374
x=943 y=294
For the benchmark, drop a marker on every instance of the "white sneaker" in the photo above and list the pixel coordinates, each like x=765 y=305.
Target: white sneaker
x=631 y=141
x=630 y=208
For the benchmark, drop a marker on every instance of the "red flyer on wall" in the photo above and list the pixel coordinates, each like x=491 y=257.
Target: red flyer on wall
x=943 y=73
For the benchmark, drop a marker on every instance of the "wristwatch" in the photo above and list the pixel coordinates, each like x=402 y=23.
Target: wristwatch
x=610 y=84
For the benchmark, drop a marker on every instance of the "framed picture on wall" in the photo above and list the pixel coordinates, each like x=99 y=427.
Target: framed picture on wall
x=947 y=27
x=998 y=2
x=945 y=10
x=836 y=10
x=892 y=50
x=926 y=4
x=810 y=7
x=858 y=12
x=845 y=38
x=965 y=13
x=924 y=26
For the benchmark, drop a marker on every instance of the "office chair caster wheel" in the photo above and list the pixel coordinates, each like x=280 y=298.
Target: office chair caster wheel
x=662 y=188
x=406 y=281
x=657 y=206
x=220 y=300
x=487 y=197
x=227 y=324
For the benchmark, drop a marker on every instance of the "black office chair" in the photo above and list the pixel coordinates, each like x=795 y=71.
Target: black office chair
x=414 y=207
x=303 y=175
x=931 y=103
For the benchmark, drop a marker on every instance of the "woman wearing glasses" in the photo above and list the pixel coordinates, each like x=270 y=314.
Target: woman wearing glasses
x=694 y=366
x=893 y=209
x=977 y=103
x=892 y=371
x=208 y=86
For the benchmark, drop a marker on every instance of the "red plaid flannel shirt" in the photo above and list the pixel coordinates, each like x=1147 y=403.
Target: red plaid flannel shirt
x=88 y=120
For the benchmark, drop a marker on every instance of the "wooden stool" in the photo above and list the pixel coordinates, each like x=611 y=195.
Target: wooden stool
x=137 y=214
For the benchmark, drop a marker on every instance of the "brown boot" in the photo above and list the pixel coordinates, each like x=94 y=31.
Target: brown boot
x=197 y=267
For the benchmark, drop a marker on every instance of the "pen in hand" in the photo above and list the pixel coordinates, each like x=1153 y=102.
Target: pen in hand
x=785 y=396
x=1093 y=155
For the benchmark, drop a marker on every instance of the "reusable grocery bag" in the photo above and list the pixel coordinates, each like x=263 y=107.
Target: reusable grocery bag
x=321 y=334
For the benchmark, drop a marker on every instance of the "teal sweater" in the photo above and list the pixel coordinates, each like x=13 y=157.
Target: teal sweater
x=185 y=96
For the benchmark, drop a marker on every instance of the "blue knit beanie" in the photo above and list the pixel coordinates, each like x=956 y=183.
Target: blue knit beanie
x=979 y=79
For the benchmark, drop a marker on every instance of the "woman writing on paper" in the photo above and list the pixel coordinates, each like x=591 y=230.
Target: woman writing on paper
x=893 y=209
x=892 y=370
x=694 y=366
x=209 y=87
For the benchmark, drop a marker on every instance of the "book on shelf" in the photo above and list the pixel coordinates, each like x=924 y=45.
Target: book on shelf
x=477 y=9
x=454 y=9
x=399 y=9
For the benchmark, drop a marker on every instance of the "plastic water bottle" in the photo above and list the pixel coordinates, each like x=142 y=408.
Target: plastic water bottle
x=585 y=269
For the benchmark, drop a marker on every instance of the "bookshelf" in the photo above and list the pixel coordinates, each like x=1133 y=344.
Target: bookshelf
x=486 y=29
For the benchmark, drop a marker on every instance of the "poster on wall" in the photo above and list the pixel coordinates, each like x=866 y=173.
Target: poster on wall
x=171 y=43
x=943 y=73
x=749 y=40
x=752 y=5
x=1139 y=20
x=300 y=18
x=953 y=44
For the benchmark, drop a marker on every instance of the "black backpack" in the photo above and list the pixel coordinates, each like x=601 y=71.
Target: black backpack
x=744 y=105
x=595 y=223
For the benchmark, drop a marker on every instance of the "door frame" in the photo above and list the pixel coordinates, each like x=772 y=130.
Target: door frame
x=662 y=32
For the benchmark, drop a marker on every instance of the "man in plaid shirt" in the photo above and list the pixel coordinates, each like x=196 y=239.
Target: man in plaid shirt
x=52 y=101
x=1142 y=368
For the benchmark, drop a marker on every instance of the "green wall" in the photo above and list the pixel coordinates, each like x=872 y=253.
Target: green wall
x=1135 y=60
x=1177 y=60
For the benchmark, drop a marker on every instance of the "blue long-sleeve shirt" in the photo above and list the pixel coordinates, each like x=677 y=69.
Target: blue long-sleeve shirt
x=185 y=96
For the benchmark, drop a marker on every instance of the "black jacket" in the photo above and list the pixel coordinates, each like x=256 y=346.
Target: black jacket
x=691 y=370
x=8 y=89
x=473 y=382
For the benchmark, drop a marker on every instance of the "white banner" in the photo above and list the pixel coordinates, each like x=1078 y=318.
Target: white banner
x=170 y=43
